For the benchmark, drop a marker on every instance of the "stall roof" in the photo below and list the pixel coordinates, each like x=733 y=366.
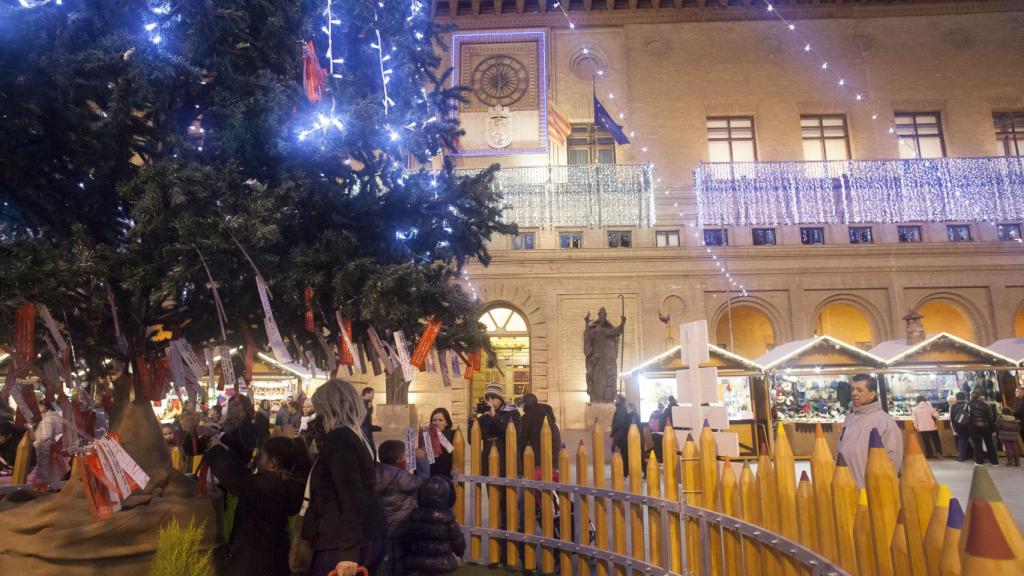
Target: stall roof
x=942 y=349
x=819 y=352
x=1009 y=347
x=671 y=360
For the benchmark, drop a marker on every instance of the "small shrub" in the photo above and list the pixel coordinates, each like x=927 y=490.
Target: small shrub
x=177 y=551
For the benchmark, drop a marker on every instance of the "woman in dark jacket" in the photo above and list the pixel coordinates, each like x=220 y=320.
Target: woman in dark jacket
x=442 y=420
x=621 y=421
x=494 y=424
x=434 y=538
x=259 y=542
x=534 y=414
x=344 y=522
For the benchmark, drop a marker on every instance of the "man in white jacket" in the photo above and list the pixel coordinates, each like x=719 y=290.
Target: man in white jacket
x=866 y=415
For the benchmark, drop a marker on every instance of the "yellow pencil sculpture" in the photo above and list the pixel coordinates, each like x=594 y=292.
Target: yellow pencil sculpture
x=936 y=530
x=822 y=470
x=949 y=564
x=991 y=544
x=750 y=508
x=866 y=565
x=845 y=495
x=900 y=555
x=785 y=474
x=883 y=501
x=917 y=492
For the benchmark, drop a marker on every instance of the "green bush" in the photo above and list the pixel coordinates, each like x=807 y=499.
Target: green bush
x=177 y=551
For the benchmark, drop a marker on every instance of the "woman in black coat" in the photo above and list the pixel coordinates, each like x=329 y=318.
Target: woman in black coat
x=344 y=522
x=442 y=420
x=259 y=542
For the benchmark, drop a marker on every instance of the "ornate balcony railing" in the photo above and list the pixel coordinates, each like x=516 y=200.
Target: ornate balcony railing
x=932 y=190
x=586 y=195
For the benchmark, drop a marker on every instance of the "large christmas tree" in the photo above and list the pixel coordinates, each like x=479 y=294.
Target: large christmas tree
x=140 y=139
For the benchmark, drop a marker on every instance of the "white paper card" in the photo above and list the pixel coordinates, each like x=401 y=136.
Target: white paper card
x=728 y=444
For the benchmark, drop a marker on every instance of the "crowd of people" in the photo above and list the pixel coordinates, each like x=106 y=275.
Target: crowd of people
x=980 y=427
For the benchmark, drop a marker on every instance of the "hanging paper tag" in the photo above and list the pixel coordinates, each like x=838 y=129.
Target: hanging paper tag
x=189 y=357
x=273 y=334
x=311 y=362
x=332 y=358
x=410 y=450
x=345 y=334
x=442 y=357
x=25 y=400
x=423 y=347
x=52 y=327
x=378 y=348
x=309 y=320
x=210 y=367
x=428 y=445
x=445 y=443
x=402 y=349
x=128 y=464
x=227 y=368
x=456 y=364
x=24 y=334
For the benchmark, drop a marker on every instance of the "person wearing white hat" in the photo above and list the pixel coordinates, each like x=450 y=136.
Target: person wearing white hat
x=493 y=426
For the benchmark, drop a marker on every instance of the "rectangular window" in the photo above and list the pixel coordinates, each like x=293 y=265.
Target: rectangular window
x=764 y=236
x=716 y=237
x=523 y=241
x=909 y=234
x=860 y=235
x=620 y=239
x=958 y=233
x=667 y=238
x=920 y=135
x=1009 y=132
x=1008 y=232
x=825 y=137
x=570 y=240
x=731 y=139
x=590 y=144
x=812 y=235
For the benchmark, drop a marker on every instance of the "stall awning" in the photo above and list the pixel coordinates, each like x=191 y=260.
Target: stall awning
x=669 y=361
x=818 y=353
x=941 y=350
x=1012 y=348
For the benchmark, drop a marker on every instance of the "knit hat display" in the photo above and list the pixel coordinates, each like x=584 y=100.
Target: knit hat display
x=494 y=389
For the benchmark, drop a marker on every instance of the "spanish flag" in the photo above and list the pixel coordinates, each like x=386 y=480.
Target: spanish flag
x=991 y=543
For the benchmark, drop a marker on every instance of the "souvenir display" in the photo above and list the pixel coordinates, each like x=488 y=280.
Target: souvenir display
x=808 y=398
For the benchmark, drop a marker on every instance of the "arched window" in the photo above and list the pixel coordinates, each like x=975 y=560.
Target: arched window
x=941 y=315
x=510 y=339
x=745 y=330
x=845 y=322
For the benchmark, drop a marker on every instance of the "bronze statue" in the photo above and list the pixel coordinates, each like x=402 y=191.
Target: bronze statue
x=601 y=347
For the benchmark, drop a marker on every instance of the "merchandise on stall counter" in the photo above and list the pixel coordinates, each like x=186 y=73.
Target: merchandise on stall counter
x=905 y=387
x=808 y=398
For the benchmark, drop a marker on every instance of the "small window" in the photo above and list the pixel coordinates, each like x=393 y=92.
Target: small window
x=620 y=239
x=909 y=234
x=764 y=236
x=1008 y=232
x=920 y=135
x=958 y=233
x=812 y=235
x=716 y=237
x=590 y=144
x=667 y=238
x=731 y=139
x=523 y=241
x=1009 y=132
x=860 y=235
x=825 y=137
x=570 y=240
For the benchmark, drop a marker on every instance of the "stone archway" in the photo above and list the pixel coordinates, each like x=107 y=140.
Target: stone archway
x=756 y=328
x=949 y=312
x=849 y=318
x=523 y=301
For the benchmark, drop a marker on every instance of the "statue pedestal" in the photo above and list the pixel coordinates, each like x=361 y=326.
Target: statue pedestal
x=602 y=412
x=393 y=419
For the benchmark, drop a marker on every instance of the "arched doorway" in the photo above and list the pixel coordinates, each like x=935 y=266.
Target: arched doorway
x=942 y=315
x=509 y=335
x=845 y=322
x=1018 y=323
x=752 y=331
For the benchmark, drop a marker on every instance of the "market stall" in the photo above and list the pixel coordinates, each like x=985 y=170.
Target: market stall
x=937 y=367
x=741 y=386
x=808 y=384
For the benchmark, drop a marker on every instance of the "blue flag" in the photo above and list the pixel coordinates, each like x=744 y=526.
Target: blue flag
x=604 y=119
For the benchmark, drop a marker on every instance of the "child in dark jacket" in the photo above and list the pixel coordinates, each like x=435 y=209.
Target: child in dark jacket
x=396 y=488
x=434 y=540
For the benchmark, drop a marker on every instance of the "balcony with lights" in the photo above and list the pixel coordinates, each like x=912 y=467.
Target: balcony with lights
x=860 y=191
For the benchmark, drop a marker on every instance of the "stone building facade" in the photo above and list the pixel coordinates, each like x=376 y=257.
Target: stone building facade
x=669 y=69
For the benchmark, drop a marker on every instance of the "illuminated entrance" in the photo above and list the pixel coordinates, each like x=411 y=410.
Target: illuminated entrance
x=510 y=338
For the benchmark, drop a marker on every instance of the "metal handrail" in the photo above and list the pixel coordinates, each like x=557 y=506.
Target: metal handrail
x=707 y=520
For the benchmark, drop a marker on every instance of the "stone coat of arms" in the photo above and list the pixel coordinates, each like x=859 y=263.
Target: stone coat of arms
x=499 y=127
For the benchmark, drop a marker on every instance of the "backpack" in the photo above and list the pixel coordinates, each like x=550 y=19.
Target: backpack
x=961 y=417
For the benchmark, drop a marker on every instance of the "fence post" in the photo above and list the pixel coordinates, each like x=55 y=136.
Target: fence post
x=511 y=502
x=565 y=511
x=459 y=468
x=806 y=522
x=583 y=510
x=883 y=501
x=493 y=503
x=844 y=506
x=750 y=508
x=730 y=538
x=936 y=530
x=898 y=548
x=709 y=480
x=547 y=503
x=654 y=516
x=475 y=460
x=822 y=470
x=601 y=504
x=988 y=523
x=619 y=510
x=636 y=486
x=866 y=565
x=950 y=563
x=529 y=512
x=690 y=463
x=22 y=457
x=668 y=455
x=917 y=492
x=785 y=474
x=767 y=487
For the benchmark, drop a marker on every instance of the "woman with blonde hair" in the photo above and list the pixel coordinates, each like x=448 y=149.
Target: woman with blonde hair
x=344 y=522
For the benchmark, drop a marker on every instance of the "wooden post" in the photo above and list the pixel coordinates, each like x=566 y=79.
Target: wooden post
x=475 y=464
x=822 y=470
x=668 y=452
x=547 y=502
x=917 y=492
x=768 y=486
x=529 y=513
x=22 y=457
x=883 y=501
x=654 y=514
x=601 y=504
x=750 y=508
x=459 y=468
x=866 y=565
x=176 y=458
x=844 y=506
x=564 y=512
x=636 y=486
x=583 y=511
x=709 y=480
x=806 y=521
x=785 y=474
x=511 y=502
x=493 y=504
x=937 y=530
x=619 y=511
x=949 y=565
x=730 y=507
x=690 y=464
x=898 y=548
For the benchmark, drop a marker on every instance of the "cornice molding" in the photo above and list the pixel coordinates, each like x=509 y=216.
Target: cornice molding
x=671 y=12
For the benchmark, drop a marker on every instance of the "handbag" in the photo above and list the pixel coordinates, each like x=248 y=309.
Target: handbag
x=300 y=553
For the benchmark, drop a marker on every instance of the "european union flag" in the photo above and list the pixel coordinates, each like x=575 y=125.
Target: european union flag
x=604 y=119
